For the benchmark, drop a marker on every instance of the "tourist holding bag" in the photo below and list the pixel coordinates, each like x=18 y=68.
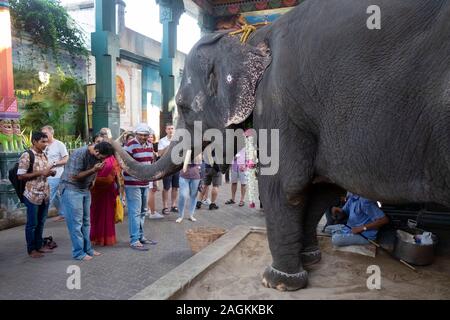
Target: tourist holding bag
x=104 y=194
x=118 y=216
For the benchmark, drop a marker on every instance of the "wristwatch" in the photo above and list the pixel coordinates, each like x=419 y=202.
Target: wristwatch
x=364 y=228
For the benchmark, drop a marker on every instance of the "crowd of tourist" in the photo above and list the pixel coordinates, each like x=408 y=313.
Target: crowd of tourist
x=88 y=186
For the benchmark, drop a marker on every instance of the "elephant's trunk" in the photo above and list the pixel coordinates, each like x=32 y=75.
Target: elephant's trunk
x=160 y=169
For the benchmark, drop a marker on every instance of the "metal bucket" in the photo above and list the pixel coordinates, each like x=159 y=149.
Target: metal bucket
x=414 y=253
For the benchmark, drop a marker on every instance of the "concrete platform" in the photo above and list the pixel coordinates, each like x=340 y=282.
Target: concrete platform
x=173 y=283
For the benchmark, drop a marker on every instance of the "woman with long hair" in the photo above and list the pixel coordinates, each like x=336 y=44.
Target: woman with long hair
x=106 y=189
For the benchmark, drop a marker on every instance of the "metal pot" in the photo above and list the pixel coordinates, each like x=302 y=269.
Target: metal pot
x=414 y=253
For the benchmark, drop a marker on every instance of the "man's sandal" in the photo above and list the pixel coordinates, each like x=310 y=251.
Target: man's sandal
x=165 y=211
x=231 y=201
x=138 y=246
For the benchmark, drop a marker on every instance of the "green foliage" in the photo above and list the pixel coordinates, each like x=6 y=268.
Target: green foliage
x=26 y=82
x=49 y=25
x=48 y=105
x=70 y=141
x=26 y=138
x=73 y=142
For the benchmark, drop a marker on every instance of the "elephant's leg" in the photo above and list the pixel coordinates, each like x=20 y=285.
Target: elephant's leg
x=321 y=196
x=284 y=233
x=284 y=198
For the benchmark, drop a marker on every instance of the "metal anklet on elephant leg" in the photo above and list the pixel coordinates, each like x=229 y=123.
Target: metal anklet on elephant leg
x=283 y=281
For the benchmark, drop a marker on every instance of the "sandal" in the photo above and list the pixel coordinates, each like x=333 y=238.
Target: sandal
x=231 y=201
x=165 y=211
x=136 y=246
x=148 y=241
x=174 y=209
x=241 y=203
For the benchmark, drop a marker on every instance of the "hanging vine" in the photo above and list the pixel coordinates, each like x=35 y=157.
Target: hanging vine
x=49 y=26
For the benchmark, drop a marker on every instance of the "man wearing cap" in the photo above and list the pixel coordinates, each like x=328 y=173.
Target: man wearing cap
x=137 y=190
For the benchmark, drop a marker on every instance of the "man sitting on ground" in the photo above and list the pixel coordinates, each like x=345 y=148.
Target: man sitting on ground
x=364 y=218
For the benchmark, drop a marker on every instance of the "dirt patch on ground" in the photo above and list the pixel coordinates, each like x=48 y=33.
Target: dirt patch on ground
x=339 y=275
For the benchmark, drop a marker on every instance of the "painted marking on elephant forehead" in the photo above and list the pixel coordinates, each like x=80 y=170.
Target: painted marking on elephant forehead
x=189 y=80
x=229 y=78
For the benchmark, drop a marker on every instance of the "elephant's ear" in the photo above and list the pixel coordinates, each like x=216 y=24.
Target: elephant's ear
x=251 y=63
x=266 y=58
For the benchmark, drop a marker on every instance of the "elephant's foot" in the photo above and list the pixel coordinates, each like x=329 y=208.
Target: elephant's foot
x=310 y=257
x=282 y=281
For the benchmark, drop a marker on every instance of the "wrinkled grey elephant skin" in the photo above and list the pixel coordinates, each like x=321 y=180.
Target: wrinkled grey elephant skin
x=367 y=110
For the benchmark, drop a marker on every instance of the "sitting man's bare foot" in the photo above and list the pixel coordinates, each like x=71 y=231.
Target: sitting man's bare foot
x=35 y=254
x=59 y=218
x=96 y=253
x=87 y=258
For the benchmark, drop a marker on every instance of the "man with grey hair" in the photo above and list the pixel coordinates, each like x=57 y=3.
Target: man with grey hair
x=57 y=156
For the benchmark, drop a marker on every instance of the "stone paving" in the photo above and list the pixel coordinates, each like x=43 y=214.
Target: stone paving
x=120 y=272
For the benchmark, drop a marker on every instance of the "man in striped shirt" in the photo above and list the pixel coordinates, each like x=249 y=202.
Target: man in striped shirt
x=137 y=190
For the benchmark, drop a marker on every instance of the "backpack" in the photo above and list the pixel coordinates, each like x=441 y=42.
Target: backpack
x=19 y=185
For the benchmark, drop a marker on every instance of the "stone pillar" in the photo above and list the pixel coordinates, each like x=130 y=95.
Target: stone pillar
x=121 y=15
x=9 y=118
x=169 y=15
x=9 y=114
x=8 y=101
x=105 y=48
x=144 y=81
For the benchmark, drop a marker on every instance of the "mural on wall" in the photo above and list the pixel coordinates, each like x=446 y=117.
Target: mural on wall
x=232 y=8
x=120 y=93
x=254 y=17
x=129 y=94
x=264 y=15
x=233 y=22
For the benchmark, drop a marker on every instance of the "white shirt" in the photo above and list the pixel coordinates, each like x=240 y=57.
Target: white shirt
x=55 y=152
x=163 y=143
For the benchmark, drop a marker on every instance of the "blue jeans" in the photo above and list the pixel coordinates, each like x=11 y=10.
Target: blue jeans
x=137 y=208
x=77 y=207
x=36 y=215
x=339 y=238
x=188 y=190
x=54 y=194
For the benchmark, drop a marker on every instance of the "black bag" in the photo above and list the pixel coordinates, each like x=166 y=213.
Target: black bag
x=19 y=185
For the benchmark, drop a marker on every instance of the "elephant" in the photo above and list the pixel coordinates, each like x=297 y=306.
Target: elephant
x=358 y=109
